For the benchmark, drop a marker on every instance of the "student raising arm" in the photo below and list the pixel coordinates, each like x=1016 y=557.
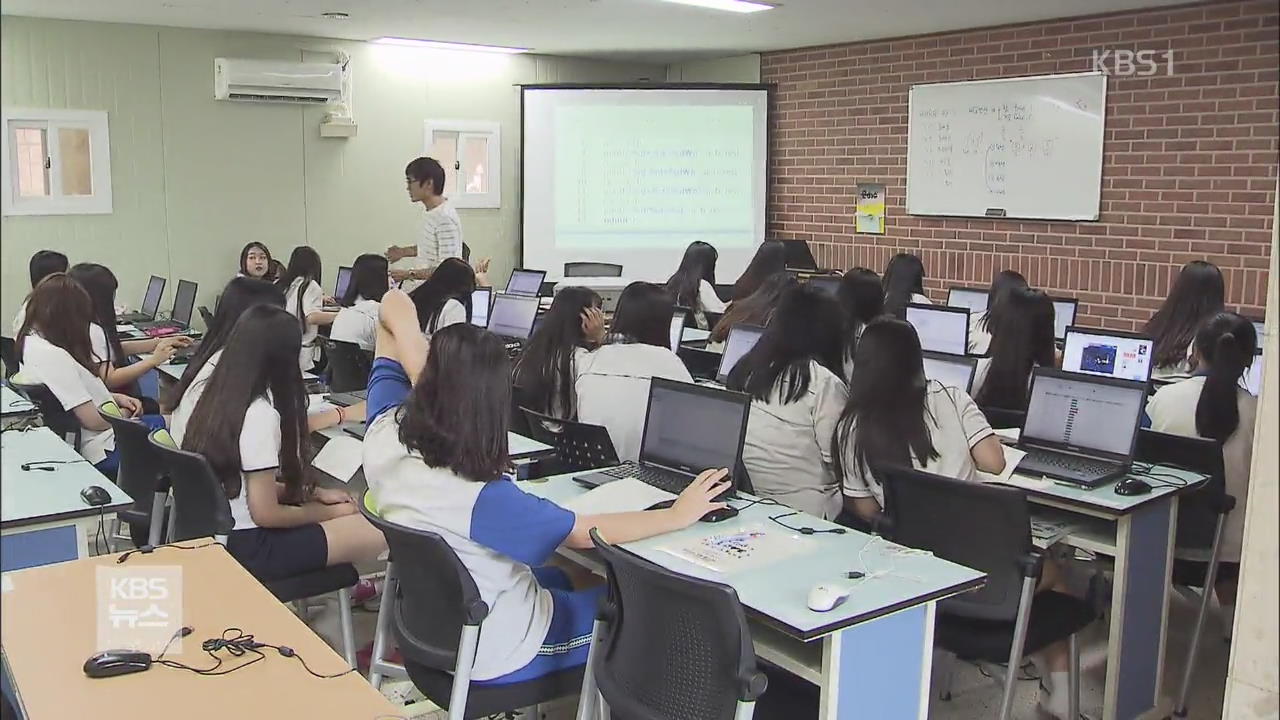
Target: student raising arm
x=434 y=456
x=548 y=367
x=305 y=300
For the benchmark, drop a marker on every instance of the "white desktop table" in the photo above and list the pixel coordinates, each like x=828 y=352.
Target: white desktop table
x=519 y=447
x=173 y=373
x=14 y=407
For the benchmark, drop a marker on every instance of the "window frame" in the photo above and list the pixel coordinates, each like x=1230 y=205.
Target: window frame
x=492 y=198
x=51 y=120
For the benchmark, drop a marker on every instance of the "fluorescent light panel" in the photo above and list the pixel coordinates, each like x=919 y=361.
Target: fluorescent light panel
x=437 y=45
x=738 y=6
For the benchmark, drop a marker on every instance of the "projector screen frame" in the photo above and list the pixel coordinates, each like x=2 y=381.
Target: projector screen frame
x=769 y=90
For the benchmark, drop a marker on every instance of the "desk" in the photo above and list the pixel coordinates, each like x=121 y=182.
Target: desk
x=173 y=373
x=13 y=406
x=49 y=629
x=1138 y=531
x=871 y=656
x=42 y=516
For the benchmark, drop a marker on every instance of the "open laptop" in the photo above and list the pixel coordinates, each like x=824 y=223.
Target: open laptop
x=1079 y=428
x=511 y=319
x=184 y=302
x=952 y=370
x=828 y=284
x=975 y=299
x=525 y=282
x=688 y=428
x=941 y=328
x=740 y=341
x=678 y=319
x=1108 y=353
x=347 y=399
x=342 y=283
x=1064 y=316
x=798 y=255
x=150 y=302
x=481 y=299
x=1251 y=381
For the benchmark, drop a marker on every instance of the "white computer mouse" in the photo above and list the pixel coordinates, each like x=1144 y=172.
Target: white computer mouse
x=824 y=597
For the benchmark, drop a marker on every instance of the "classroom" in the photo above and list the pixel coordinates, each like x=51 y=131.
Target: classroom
x=839 y=360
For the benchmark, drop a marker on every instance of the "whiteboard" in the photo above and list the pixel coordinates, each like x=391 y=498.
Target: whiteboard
x=1018 y=147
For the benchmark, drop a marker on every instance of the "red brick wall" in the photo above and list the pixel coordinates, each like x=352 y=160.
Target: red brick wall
x=1189 y=160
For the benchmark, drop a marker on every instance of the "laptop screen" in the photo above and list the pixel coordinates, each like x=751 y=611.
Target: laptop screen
x=692 y=427
x=951 y=370
x=151 y=300
x=970 y=298
x=525 y=282
x=1064 y=316
x=1252 y=378
x=798 y=255
x=677 y=329
x=512 y=315
x=480 y=306
x=184 y=300
x=740 y=341
x=1082 y=413
x=1100 y=353
x=344 y=279
x=941 y=329
x=829 y=284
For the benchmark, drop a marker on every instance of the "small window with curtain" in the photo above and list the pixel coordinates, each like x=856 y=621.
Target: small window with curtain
x=56 y=162
x=471 y=154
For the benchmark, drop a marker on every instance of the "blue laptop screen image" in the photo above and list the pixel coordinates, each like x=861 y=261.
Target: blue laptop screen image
x=1100 y=359
x=1116 y=355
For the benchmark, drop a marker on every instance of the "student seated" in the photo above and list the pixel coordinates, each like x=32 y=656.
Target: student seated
x=42 y=264
x=256 y=262
x=903 y=283
x=444 y=299
x=769 y=260
x=861 y=298
x=613 y=382
x=1211 y=404
x=1021 y=340
x=434 y=456
x=793 y=377
x=250 y=423
x=980 y=323
x=548 y=366
x=1198 y=294
x=357 y=321
x=754 y=309
x=305 y=300
x=693 y=284
x=54 y=349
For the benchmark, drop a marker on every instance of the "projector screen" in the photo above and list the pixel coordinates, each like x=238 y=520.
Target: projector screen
x=633 y=175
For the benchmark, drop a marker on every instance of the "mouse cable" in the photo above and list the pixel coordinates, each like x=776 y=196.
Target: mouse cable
x=237 y=643
x=49 y=465
x=753 y=503
x=148 y=549
x=805 y=530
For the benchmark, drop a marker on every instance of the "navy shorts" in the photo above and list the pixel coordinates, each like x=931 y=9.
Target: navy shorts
x=275 y=553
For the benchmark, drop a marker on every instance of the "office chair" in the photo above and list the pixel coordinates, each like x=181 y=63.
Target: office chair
x=434 y=607
x=55 y=417
x=1002 y=418
x=349 y=365
x=987 y=528
x=592 y=269
x=206 y=316
x=201 y=509
x=516 y=421
x=141 y=474
x=579 y=446
x=9 y=355
x=667 y=645
x=1202 y=514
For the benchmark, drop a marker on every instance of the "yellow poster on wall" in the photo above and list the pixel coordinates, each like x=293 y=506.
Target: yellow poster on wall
x=870 y=209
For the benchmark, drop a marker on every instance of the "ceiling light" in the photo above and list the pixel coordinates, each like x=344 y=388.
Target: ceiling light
x=738 y=6
x=437 y=45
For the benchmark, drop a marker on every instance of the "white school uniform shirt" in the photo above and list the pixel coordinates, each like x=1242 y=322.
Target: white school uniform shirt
x=312 y=301
x=1173 y=410
x=73 y=385
x=979 y=334
x=441 y=239
x=357 y=324
x=453 y=313
x=613 y=389
x=191 y=396
x=708 y=300
x=19 y=318
x=787 y=450
x=955 y=425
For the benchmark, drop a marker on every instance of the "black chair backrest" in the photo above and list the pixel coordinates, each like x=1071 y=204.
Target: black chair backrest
x=673 y=646
x=435 y=594
x=56 y=418
x=516 y=421
x=9 y=355
x=592 y=269
x=1197 y=509
x=200 y=504
x=984 y=527
x=579 y=446
x=349 y=365
x=1004 y=418
x=141 y=472
x=206 y=315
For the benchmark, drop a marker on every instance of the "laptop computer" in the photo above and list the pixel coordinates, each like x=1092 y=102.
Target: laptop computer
x=798 y=255
x=688 y=428
x=1079 y=428
x=941 y=328
x=975 y=299
x=347 y=399
x=184 y=302
x=1108 y=353
x=342 y=283
x=511 y=318
x=481 y=299
x=150 y=302
x=525 y=282
x=829 y=284
x=678 y=319
x=740 y=341
x=1064 y=316
x=952 y=370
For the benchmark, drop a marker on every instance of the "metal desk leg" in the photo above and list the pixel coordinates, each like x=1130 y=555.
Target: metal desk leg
x=880 y=668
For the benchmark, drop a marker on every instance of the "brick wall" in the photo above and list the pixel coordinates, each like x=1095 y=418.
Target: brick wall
x=1189 y=160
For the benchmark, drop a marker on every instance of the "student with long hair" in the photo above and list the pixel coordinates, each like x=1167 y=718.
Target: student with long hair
x=1198 y=293
x=693 y=284
x=357 y=321
x=981 y=323
x=256 y=262
x=548 y=366
x=861 y=297
x=903 y=284
x=43 y=263
x=1211 y=404
x=770 y=259
x=445 y=298
x=435 y=455
x=613 y=382
x=754 y=309
x=54 y=349
x=250 y=423
x=1021 y=340
x=793 y=377
x=304 y=298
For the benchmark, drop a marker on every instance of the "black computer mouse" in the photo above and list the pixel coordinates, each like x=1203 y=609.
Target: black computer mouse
x=1133 y=486
x=95 y=495
x=110 y=663
x=724 y=513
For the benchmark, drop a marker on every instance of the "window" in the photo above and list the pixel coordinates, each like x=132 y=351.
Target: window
x=56 y=162
x=471 y=153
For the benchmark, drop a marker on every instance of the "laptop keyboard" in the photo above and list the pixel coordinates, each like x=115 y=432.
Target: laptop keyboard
x=1070 y=463
x=661 y=479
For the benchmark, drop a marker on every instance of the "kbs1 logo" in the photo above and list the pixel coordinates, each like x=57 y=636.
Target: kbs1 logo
x=1133 y=63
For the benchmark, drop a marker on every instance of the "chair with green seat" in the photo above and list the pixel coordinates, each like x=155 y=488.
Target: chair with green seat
x=141 y=475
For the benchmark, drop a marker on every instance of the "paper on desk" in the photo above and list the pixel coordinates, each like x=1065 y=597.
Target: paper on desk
x=625 y=495
x=1009 y=434
x=126 y=328
x=1012 y=456
x=747 y=547
x=316 y=403
x=340 y=457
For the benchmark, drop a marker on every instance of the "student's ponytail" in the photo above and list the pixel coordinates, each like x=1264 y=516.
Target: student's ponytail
x=1226 y=343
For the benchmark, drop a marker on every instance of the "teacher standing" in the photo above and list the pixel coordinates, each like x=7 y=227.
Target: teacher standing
x=441 y=228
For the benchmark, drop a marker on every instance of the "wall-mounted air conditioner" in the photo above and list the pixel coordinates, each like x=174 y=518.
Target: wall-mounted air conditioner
x=276 y=81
